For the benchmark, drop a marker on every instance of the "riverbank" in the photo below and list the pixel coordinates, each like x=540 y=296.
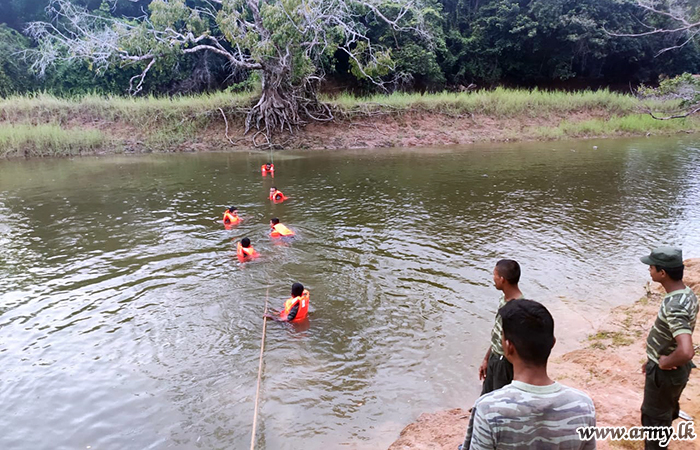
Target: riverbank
x=606 y=366
x=44 y=125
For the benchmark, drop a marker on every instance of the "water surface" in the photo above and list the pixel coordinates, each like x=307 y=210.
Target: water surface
x=126 y=322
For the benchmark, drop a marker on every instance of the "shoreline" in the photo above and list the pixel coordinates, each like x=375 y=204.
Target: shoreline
x=606 y=365
x=44 y=125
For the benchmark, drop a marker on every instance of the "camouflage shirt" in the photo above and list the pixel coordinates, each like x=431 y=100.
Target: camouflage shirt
x=496 y=345
x=677 y=315
x=523 y=416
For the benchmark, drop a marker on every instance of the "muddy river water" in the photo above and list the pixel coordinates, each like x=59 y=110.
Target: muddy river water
x=126 y=322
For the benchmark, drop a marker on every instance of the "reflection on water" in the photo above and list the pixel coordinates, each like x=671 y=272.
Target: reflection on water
x=126 y=320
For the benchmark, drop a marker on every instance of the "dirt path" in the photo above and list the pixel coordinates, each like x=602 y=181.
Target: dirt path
x=606 y=366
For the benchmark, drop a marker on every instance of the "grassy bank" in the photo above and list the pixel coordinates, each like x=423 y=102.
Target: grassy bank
x=48 y=140
x=47 y=125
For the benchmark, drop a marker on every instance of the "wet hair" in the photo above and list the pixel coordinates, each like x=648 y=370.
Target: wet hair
x=509 y=269
x=273 y=187
x=530 y=328
x=297 y=289
x=275 y=221
x=232 y=209
x=268 y=164
x=674 y=273
x=245 y=242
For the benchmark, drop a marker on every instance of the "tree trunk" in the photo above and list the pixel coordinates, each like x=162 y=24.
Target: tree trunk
x=277 y=108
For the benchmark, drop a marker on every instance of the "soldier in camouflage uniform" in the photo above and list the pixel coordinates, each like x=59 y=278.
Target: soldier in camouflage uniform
x=669 y=344
x=495 y=370
x=533 y=411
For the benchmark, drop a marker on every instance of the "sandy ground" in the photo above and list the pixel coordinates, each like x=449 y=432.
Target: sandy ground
x=607 y=366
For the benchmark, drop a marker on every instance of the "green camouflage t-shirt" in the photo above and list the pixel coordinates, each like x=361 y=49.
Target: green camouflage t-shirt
x=677 y=315
x=496 y=346
x=524 y=416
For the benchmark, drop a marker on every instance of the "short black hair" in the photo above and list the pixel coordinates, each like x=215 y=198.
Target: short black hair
x=275 y=220
x=268 y=164
x=245 y=242
x=674 y=273
x=273 y=187
x=297 y=289
x=530 y=328
x=509 y=269
x=233 y=208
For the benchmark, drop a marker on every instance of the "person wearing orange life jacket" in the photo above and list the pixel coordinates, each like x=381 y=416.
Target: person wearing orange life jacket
x=245 y=251
x=276 y=196
x=231 y=216
x=279 y=230
x=267 y=168
x=296 y=308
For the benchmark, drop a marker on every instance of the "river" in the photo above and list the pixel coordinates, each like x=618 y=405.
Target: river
x=126 y=322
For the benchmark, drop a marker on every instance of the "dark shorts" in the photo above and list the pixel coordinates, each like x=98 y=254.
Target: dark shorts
x=499 y=372
x=662 y=390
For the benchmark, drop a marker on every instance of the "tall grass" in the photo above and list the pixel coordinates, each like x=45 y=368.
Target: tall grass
x=498 y=103
x=143 y=111
x=630 y=124
x=47 y=140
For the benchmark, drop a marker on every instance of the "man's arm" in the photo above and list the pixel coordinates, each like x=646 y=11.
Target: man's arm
x=293 y=312
x=679 y=323
x=484 y=365
x=479 y=433
x=681 y=355
x=275 y=315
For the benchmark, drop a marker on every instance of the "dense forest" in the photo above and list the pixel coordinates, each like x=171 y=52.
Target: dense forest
x=545 y=43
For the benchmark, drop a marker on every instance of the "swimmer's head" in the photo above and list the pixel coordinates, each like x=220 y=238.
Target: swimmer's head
x=297 y=289
x=233 y=209
x=273 y=189
x=245 y=242
x=274 y=221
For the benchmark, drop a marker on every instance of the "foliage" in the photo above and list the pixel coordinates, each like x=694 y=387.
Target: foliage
x=569 y=43
x=14 y=72
x=537 y=41
x=684 y=89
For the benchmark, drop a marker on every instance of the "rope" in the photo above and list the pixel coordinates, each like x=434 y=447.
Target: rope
x=257 y=390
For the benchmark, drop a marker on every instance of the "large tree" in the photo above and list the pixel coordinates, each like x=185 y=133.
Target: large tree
x=286 y=41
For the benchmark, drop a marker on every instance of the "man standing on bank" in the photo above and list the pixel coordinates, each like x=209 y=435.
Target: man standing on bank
x=533 y=411
x=669 y=344
x=496 y=370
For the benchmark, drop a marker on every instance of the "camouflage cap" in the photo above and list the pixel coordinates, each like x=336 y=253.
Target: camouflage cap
x=669 y=257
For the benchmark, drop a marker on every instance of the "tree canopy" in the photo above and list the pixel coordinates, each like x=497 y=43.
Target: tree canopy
x=569 y=43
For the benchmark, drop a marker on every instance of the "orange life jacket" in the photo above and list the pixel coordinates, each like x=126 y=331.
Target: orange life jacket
x=245 y=252
x=302 y=312
x=230 y=219
x=277 y=196
x=280 y=230
x=264 y=169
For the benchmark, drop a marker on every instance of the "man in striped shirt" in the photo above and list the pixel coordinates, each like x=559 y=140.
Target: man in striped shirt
x=670 y=343
x=495 y=369
x=533 y=411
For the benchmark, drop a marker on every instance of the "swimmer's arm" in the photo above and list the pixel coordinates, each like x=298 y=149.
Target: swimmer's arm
x=293 y=312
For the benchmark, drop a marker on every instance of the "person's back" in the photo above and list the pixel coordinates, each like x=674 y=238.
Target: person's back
x=520 y=415
x=533 y=411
